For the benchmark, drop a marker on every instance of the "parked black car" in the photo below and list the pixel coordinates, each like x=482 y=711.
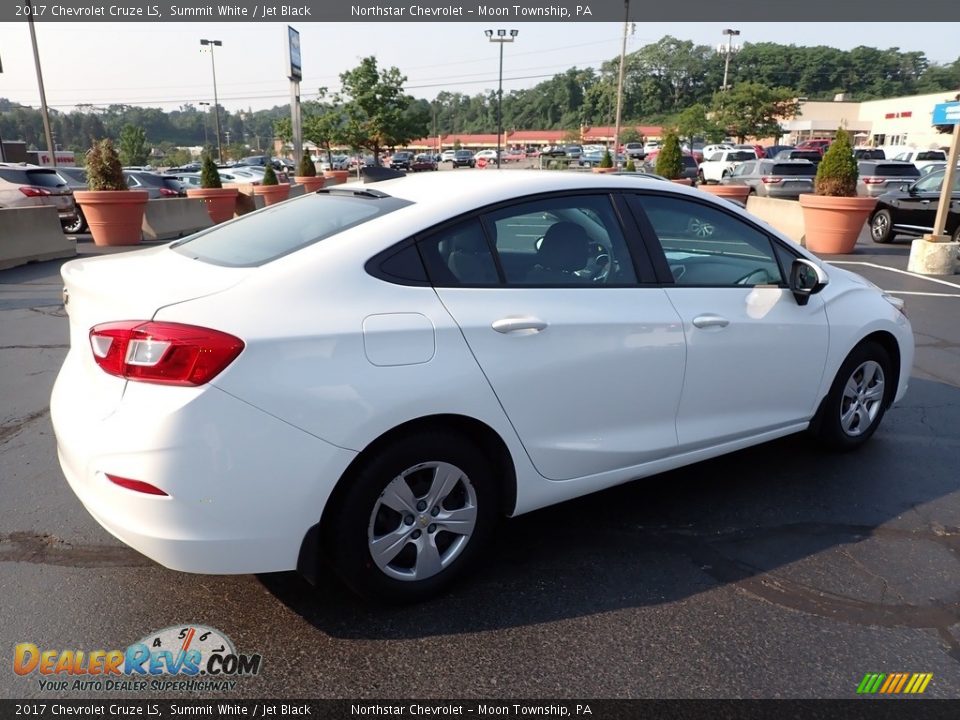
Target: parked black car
x=912 y=209
x=463 y=158
x=401 y=160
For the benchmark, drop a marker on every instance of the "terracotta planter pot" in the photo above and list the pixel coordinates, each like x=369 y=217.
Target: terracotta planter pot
x=734 y=192
x=311 y=183
x=682 y=181
x=272 y=193
x=832 y=224
x=604 y=170
x=338 y=176
x=115 y=217
x=220 y=202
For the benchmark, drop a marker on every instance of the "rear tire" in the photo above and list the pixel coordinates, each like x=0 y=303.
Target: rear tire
x=77 y=226
x=881 y=227
x=413 y=518
x=857 y=400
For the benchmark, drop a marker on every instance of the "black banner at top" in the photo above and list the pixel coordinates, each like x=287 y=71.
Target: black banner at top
x=514 y=11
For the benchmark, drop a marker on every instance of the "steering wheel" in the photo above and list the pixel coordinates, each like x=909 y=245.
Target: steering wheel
x=745 y=280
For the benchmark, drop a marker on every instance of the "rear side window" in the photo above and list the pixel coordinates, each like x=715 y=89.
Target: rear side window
x=285 y=228
x=803 y=170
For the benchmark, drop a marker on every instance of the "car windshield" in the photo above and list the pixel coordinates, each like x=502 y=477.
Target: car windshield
x=37 y=177
x=273 y=232
x=741 y=156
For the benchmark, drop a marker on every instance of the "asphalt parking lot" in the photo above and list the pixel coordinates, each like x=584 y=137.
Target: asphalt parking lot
x=779 y=571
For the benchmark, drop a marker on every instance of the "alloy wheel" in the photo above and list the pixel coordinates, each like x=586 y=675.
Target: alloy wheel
x=862 y=398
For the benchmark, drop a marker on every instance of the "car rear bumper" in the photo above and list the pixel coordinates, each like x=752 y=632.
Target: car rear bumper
x=243 y=487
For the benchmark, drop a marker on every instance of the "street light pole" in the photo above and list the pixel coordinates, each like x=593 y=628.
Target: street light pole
x=51 y=148
x=501 y=38
x=216 y=101
x=205 y=141
x=623 y=67
x=730 y=33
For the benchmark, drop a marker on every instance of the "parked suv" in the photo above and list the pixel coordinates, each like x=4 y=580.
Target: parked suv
x=401 y=160
x=880 y=176
x=463 y=158
x=23 y=185
x=786 y=179
x=634 y=150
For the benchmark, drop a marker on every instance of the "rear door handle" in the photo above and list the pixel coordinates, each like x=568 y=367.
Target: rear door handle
x=520 y=325
x=706 y=321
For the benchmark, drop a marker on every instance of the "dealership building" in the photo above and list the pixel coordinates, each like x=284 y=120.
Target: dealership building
x=894 y=122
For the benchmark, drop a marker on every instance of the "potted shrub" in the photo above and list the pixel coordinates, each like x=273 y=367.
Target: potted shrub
x=114 y=212
x=220 y=201
x=271 y=189
x=670 y=161
x=631 y=167
x=606 y=163
x=307 y=174
x=834 y=216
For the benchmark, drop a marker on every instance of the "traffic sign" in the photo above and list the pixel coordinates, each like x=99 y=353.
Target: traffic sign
x=946 y=113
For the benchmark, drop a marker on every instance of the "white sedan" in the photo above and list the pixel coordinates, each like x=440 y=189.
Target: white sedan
x=372 y=376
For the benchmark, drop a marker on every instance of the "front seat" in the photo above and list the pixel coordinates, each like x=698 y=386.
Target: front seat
x=470 y=260
x=565 y=248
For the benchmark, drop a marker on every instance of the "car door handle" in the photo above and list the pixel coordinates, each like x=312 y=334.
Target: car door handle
x=521 y=325
x=925 y=202
x=706 y=321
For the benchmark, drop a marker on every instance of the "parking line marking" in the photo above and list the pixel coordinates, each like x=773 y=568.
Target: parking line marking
x=896 y=270
x=925 y=294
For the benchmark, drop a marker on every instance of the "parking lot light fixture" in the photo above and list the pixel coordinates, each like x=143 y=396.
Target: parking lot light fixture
x=502 y=36
x=216 y=102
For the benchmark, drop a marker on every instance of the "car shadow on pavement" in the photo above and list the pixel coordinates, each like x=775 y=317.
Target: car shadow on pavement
x=836 y=535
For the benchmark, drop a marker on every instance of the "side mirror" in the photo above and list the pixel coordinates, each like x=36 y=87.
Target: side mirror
x=806 y=279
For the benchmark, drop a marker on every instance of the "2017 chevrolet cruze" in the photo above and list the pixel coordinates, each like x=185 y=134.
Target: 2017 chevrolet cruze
x=372 y=375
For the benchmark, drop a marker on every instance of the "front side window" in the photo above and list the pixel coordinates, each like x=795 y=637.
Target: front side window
x=707 y=247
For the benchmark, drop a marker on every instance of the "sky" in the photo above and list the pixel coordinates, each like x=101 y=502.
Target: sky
x=164 y=65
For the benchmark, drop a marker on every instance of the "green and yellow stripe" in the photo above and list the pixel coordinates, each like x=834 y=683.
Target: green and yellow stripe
x=894 y=683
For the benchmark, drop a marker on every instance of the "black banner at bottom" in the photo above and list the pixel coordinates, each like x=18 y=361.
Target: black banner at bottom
x=868 y=709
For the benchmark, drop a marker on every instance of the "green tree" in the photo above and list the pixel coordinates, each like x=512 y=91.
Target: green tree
x=753 y=110
x=694 y=122
x=376 y=109
x=283 y=129
x=669 y=159
x=323 y=123
x=133 y=146
x=630 y=135
x=837 y=173
x=209 y=177
x=269 y=176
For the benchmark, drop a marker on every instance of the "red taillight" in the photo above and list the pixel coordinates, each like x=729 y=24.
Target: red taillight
x=161 y=352
x=766 y=180
x=136 y=485
x=167 y=192
x=873 y=180
x=35 y=192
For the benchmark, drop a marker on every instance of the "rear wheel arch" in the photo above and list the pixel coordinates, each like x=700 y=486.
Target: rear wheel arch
x=478 y=433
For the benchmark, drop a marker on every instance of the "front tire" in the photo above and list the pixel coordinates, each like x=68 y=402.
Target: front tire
x=881 y=227
x=857 y=400
x=414 y=517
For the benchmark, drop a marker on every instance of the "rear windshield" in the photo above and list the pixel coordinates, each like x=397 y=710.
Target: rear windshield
x=689 y=162
x=741 y=156
x=279 y=230
x=891 y=170
x=802 y=155
x=150 y=180
x=37 y=178
x=794 y=169
x=932 y=155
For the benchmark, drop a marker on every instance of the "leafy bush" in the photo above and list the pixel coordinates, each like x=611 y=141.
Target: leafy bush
x=837 y=173
x=607 y=160
x=669 y=159
x=209 y=177
x=306 y=168
x=630 y=166
x=104 y=171
x=269 y=176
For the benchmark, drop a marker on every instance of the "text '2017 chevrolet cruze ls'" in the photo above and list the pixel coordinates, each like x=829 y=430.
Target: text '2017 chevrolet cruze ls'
x=372 y=375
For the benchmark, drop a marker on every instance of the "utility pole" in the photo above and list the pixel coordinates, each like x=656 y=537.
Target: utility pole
x=623 y=67
x=43 y=96
x=500 y=38
x=216 y=101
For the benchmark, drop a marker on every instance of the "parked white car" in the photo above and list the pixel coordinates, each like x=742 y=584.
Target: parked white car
x=336 y=162
x=448 y=155
x=709 y=150
x=373 y=377
x=923 y=158
x=489 y=155
x=722 y=163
